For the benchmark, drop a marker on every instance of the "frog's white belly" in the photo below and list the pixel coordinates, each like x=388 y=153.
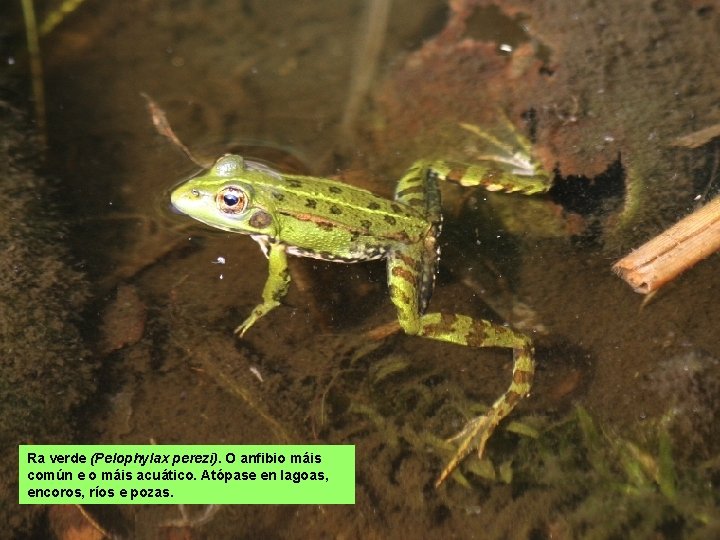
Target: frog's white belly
x=359 y=254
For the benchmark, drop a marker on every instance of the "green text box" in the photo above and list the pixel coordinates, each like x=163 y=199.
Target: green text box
x=187 y=474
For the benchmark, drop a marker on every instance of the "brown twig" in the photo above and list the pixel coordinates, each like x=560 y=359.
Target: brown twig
x=673 y=251
x=92 y=521
x=697 y=138
x=162 y=126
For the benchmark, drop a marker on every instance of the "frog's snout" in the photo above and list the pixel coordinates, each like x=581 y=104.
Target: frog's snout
x=186 y=199
x=175 y=210
x=176 y=199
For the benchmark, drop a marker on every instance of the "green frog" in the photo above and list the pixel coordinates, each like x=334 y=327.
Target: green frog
x=306 y=216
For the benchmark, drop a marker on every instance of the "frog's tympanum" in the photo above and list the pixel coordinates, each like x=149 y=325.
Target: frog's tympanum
x=325 y=219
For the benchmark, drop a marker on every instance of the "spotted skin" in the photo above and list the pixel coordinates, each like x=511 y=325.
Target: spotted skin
x=325 y=219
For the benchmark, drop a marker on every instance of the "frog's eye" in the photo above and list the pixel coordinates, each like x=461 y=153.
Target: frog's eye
x=231 y=200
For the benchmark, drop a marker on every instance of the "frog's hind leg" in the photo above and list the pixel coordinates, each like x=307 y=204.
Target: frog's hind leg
x=411 y=274
x=403 y=279
x=418 y=188
x=470 y=332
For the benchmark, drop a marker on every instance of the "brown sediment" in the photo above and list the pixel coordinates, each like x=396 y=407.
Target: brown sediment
x=46 y=371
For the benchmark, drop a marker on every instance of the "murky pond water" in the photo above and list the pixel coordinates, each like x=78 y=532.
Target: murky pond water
x=618 y=438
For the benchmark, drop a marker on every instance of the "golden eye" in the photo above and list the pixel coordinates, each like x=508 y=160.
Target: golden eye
x=231 y=200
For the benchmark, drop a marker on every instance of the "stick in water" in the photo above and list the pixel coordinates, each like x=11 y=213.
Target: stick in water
x=162 y=126
x=673 y=251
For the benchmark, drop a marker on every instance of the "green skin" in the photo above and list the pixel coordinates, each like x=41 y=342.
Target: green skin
x=329 y=220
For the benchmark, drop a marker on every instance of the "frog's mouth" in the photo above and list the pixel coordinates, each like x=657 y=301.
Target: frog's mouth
x=176 y=208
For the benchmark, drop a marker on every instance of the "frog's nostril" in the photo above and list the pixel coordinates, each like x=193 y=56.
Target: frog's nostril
x=195 y=193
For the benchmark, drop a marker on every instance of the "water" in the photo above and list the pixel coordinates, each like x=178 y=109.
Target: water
x=271 y=79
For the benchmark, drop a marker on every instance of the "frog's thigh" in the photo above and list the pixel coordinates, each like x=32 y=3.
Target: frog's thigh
x=404 y=275
x=275 y=289
x=418 y=188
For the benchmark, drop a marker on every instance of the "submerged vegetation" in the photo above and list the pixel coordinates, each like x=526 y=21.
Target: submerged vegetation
x=568 y=476
x=606 y=486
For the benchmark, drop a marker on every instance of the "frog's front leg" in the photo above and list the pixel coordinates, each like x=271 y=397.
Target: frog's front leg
x=462 y=330
x=276 y=286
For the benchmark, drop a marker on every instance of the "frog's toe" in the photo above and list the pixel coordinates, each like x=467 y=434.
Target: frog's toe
x=240 y=331
x=244 y=327
x=474 y=435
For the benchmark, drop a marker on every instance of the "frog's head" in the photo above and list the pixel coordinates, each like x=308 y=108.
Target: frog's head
x=224 y=197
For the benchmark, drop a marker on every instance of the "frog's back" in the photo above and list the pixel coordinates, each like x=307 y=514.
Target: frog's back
x=331 y=220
